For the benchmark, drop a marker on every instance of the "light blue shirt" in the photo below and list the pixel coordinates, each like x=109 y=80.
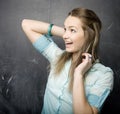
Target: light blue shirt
x=57 y=98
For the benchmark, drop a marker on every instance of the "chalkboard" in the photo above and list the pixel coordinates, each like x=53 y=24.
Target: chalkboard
x=21 y=64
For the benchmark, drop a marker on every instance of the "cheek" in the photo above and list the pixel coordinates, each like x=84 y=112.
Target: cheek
x=79 y=39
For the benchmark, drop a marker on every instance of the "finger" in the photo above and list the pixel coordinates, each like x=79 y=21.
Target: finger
x=87 y=56
x=90 y=57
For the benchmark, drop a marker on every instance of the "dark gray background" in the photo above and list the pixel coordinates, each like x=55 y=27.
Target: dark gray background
x=17 y=55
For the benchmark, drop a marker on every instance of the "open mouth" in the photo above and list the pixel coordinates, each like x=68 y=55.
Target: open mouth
x=68 y=44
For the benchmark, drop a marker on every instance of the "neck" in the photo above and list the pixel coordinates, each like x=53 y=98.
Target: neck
x=75 y=56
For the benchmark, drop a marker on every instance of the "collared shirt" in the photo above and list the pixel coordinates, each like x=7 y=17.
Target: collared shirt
x=57 y=98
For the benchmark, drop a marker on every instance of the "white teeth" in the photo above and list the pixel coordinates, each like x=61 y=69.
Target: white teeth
x=68 y=42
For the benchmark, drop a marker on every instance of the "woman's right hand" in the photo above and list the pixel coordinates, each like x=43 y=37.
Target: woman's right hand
x=33 y=29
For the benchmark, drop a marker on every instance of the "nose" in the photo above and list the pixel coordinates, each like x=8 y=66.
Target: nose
x=66 y=35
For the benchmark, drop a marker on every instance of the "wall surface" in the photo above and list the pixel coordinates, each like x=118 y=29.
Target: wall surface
x=19 y=60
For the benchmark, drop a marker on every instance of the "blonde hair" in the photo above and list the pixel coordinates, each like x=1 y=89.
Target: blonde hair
x=91 y=26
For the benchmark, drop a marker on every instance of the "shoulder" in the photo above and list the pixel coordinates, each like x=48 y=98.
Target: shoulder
x=101 y=69
x=100 y=74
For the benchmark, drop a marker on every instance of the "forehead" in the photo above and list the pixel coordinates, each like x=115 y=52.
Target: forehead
x=72 y=21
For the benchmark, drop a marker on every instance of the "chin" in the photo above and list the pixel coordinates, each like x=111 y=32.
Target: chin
x=69 y=51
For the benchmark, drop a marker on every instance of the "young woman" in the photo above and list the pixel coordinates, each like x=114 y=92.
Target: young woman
x=78 y=83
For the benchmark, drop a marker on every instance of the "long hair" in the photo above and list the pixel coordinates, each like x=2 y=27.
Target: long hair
x=91 y=27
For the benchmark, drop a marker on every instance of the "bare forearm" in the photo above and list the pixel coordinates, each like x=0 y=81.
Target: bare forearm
x=80 y=103
x=34 y=29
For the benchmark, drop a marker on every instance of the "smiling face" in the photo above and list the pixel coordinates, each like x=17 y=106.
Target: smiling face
x=73 y=35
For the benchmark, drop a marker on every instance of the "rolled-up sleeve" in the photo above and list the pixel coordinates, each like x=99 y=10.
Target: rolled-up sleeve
x=42 y=43
x=47 y=47
x=101 y=88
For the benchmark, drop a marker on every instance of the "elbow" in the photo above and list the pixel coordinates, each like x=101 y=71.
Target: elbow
x=25 y=24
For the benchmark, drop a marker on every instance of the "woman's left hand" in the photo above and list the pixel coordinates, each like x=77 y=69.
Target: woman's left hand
x=82 y=68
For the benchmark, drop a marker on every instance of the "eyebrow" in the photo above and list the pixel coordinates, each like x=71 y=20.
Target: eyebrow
x=71 y=27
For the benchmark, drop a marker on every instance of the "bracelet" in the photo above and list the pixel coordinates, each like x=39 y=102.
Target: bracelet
x=49 y=29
